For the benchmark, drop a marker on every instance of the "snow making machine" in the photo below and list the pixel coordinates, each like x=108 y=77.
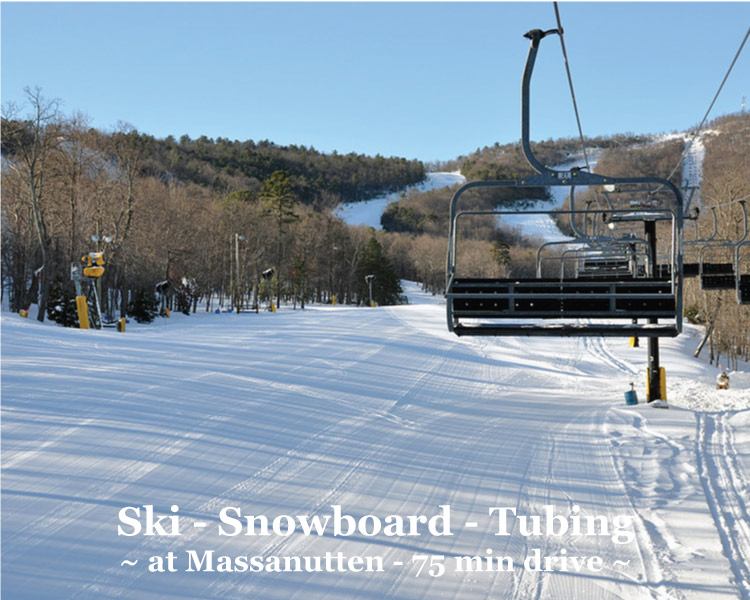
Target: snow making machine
x=85 y=277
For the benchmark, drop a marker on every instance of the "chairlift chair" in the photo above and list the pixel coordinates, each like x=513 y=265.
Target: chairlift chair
x=742 y=279
x=571 y=306
x=614 y=294
x=692 y=268
x=717 y=275
x=591 y=260
x=722 y=275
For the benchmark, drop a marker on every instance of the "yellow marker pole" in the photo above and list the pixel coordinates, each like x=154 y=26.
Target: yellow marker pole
x=333 y=300
x=372 y=303
x=83 y=312
x=662 y=384
x=121 y=325
x=273 y=307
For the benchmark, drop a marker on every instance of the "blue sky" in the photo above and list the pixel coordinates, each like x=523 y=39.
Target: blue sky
x=421 y=80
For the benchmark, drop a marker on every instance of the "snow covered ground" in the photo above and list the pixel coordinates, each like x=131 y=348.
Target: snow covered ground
x=369 y=212
x=512 y=448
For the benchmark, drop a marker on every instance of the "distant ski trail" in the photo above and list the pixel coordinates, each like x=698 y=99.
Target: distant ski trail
x=726 y=496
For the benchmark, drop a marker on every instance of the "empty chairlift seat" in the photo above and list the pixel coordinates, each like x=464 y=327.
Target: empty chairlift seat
x=743 y=290
x=557 y=299
x=496 y=302
x=718 y=276
x=690 y=269
x=605 y=267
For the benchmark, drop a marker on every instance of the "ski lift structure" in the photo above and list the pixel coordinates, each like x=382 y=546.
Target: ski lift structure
x=615 y=277
x=691 y=266
x=609 y=283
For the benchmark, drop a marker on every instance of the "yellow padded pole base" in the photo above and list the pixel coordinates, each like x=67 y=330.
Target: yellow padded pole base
x=662 y=384
x=83 y=312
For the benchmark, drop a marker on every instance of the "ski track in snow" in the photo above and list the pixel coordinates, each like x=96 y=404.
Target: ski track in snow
x=726 y=492
x=383 y=412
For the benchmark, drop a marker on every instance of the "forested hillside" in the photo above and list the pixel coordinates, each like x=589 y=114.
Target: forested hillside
x=324 y=180
x=428 y=212
x=249 y=223
x=169 y=210
x=507 y=161
x=726 y=184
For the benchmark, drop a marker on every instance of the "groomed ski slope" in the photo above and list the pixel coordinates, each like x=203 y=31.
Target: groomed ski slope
x=379 y=411
x=368 y=212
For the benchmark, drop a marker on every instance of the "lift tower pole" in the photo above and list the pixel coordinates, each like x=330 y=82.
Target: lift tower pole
x=654 y=376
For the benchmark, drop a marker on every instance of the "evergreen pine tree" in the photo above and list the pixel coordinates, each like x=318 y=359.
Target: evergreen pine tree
x=500 y=253
x=386 y=287
x=278 y=200
x=61 y=305
x=144 y=306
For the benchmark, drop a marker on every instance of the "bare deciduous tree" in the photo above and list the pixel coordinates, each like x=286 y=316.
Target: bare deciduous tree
x=33 y=138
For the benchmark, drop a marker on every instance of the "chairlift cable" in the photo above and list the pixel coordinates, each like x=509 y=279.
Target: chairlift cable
x=570 y=84
x=561 y=31
x=716 y=96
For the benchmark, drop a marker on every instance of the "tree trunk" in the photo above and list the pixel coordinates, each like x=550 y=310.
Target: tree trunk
x=709 y=331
